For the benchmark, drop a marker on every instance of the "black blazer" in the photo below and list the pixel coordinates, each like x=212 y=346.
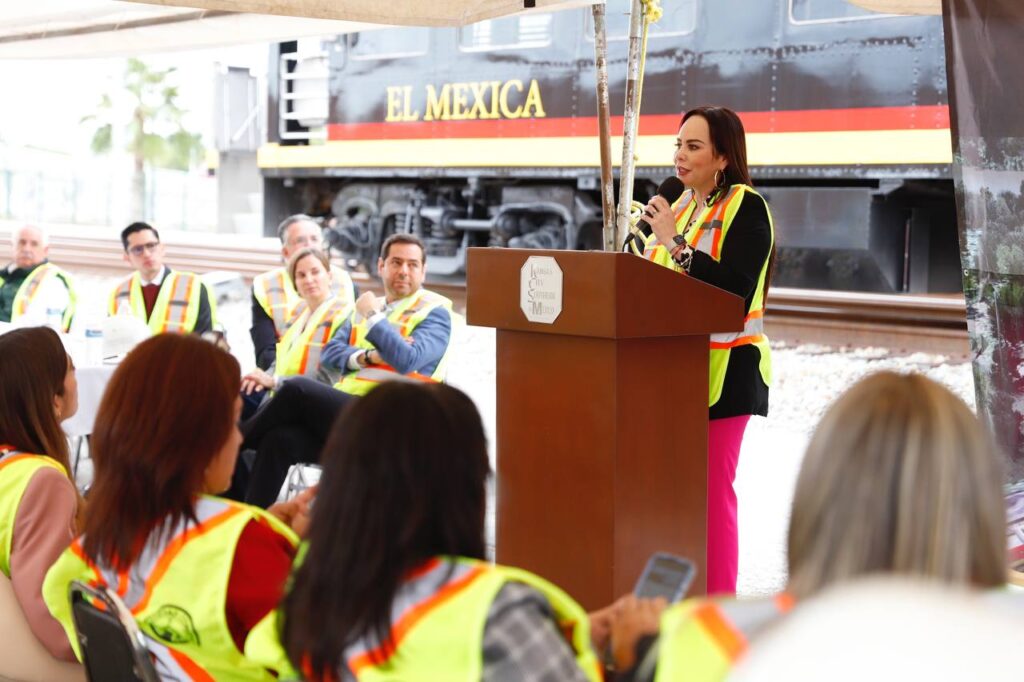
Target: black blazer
x=744 y=252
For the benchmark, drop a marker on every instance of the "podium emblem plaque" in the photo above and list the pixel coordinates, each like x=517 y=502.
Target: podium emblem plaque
x=540 y=289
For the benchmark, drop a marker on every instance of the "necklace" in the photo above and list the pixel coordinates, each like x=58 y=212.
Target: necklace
x=693 y=217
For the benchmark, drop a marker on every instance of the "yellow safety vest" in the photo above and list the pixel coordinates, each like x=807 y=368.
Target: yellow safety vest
x=171 y=664
x=404 y=317
x=298 y=351
x=16 y=471
x=438 y=625
x=33 y=284
x=707 y=235
x=177 y=305
x=177 y=587
x=701 y=640
x=282 y=304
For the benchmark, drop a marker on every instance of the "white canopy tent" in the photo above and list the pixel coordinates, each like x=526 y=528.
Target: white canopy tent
x=900 y=6
x=392 y=12
x=95 y=28
x=107 y=28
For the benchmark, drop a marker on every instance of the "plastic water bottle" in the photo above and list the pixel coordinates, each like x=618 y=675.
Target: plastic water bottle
x=55 y=319
x=93 y=345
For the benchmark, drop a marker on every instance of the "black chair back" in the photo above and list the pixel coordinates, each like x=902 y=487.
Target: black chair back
x=113 y=647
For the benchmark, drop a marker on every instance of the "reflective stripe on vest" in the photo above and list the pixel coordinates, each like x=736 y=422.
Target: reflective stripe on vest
x=171 y=664
x=708 y=235
x=276 y=295
x=438 y=619
x=176 y=308
x=177 y=587
x=701 y=640
x=16 y=472
x=282 y=304
x=32 y=285
x=298 y=352
x=404 y=317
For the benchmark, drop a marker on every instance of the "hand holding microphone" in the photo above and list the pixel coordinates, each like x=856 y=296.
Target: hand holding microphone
x=669 y=192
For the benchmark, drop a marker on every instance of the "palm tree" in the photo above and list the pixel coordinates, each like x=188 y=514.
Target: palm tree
x=156 y=135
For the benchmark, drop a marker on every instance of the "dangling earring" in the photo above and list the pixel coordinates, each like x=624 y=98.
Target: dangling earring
x=719 y=186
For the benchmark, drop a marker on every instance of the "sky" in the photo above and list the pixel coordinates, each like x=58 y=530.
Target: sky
x=44 y=101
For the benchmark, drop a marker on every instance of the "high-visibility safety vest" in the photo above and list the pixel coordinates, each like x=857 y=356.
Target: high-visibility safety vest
x=177 y=305
x=438 y=621
x=298 y=351
x=405 y=316
x=171 y=664
x=282 y=304
x=701 y=640
x=16 y=471
x=708 y=234
x=177 y=587
x=33 y=284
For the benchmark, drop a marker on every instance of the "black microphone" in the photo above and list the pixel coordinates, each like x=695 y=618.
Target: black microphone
x=671 y=190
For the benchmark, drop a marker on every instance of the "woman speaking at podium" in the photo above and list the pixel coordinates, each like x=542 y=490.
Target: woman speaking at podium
x=720 y=232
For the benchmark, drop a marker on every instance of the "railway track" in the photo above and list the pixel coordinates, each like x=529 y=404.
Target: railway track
x=900 y=323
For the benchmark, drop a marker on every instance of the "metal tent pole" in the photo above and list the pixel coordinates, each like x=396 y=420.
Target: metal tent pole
x=630 y=121
x=604 y=129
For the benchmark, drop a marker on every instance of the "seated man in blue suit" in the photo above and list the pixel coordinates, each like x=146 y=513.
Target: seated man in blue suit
x=406 y=336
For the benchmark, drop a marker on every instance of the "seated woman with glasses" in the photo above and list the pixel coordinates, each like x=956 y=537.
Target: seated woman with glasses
x=197 y=571
x=38 y=499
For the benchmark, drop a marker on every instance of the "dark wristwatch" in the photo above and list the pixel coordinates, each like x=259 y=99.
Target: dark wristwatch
x=684 y=258
x=679 y=239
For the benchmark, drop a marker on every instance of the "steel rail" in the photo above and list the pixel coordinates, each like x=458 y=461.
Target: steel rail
x=814 y=313
x=904 y=310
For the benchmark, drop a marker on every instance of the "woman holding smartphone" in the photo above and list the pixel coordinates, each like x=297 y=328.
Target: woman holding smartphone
x=899 y=479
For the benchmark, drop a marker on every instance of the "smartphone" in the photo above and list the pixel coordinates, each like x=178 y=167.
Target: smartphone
x=665 y=575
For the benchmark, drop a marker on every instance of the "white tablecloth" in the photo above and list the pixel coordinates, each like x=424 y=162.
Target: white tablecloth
x=91 y=383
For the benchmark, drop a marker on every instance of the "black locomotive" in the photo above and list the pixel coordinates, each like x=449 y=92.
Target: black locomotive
x=486 y=135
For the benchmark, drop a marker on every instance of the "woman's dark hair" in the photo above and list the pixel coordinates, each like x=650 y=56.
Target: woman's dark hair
x=166 y=413
x=728 y=139
x=33 y=366
x=405 y=470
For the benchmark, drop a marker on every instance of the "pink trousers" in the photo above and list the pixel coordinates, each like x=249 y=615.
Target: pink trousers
x=724 y=439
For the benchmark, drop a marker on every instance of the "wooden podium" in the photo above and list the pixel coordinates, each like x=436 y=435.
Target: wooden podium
x=601 y=415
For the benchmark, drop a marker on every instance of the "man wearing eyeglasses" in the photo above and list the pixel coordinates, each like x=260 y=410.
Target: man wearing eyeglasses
x=165 y=299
